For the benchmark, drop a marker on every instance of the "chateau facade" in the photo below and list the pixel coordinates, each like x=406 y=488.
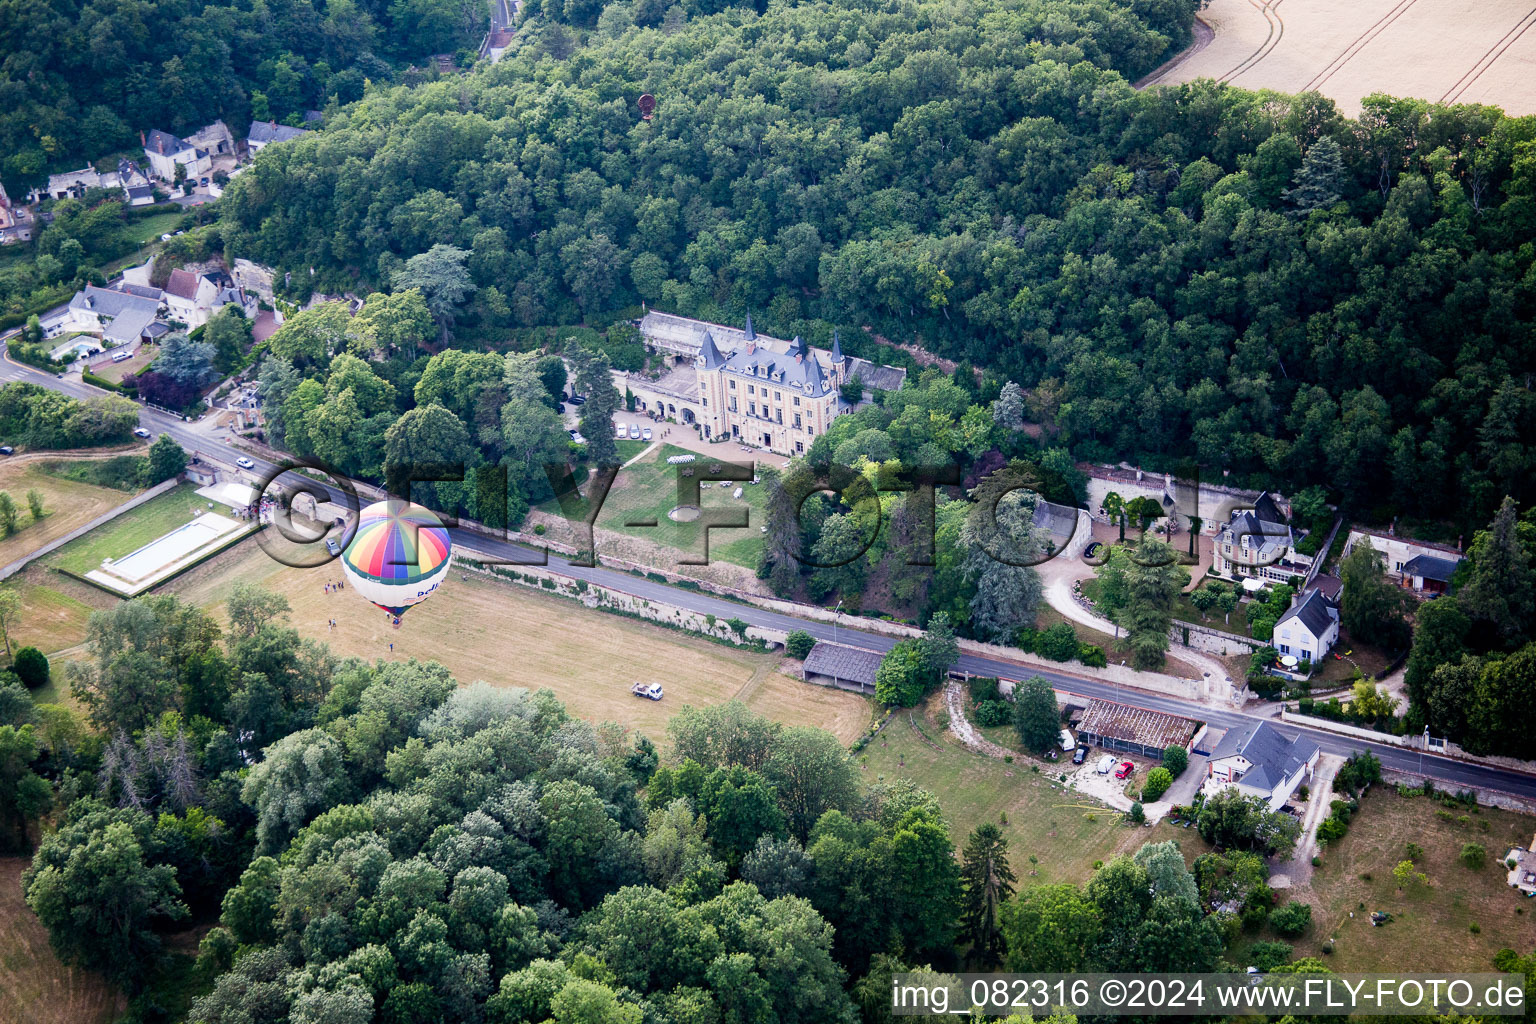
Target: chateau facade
x=734 y=384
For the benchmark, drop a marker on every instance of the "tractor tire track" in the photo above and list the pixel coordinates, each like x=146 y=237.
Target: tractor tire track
x=1490 y=58
x=1359 y=43
x=1272 y=40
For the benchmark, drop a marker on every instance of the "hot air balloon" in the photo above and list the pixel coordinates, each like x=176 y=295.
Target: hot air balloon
x=398 y=556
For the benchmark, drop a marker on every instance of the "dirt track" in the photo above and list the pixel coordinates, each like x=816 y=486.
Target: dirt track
x=1452 y=51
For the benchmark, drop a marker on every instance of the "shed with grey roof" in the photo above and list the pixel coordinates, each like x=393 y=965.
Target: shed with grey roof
x=847 y=668
x=1136 y=730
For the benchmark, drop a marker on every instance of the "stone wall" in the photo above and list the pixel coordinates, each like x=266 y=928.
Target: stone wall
x=1211 y=641
x=613 y=599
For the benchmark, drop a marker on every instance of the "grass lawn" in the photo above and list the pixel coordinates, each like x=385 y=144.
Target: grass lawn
x=33 y=983
x=507 y=634
x=51 y=618
x=115 y=372
x=1430 y=928
x=629 y=449
x=648 y=490
x=129 y=531
x=67 y=505
x=142 y=232
x=1066 y=831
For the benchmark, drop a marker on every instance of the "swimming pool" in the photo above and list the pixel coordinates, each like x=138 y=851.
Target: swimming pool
x=166 y=549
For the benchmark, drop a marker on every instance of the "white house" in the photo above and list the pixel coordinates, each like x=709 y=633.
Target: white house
x=165 y=151
x=194 y=298
x=264 y=133
x=121 y=316
x=1309 y=628
x=1417 y=565
x=1259 y=760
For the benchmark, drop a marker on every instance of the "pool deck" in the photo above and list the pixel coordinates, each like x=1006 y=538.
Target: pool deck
x=226 y=532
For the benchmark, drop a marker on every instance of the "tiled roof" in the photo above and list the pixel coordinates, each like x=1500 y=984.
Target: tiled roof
x=183 y=285
x=267 y=131
x=850 y=663
x=1137 y=725
x=164 y=143
x=106 y=302
x=1312 y=610
x=1431 y=567
x=1274 y=756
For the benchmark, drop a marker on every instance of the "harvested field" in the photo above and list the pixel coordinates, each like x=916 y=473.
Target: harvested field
x=1451 y=51
x=34 y=987
x=1358 y=870
x=67 y=505
x=507 y=634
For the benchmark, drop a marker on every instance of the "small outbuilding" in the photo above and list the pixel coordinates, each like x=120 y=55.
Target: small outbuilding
x=847 y=668
x=1136 y=730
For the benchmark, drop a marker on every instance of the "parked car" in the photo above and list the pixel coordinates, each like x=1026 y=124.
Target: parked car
x=634 y=432
x=203 y=182
x=332 y=546
x=1126 y=769
x=576 y=436
x=560 y=408
x=245 y=463
x=578 y=399
x=141 y=432
x=1067 y=742
x=1081 y=755
x=121 y=357
x=6 y=449
x=1106 y=765
x=645 y=435
x=650 y=691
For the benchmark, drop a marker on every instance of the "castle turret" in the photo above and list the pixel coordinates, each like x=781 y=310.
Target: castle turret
x=750 y=333
x=709 y=354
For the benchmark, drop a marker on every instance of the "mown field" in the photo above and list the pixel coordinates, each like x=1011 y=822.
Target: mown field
x=34 y=987
x=1067 y=832
x=510 y=635
x=1431 y=926
x=131 y=531
x=67 y=506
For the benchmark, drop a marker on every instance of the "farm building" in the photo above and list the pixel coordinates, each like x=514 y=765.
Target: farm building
x=847 y=668
x=1135 y=730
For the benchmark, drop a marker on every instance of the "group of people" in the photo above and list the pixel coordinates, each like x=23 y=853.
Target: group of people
x=262 y=510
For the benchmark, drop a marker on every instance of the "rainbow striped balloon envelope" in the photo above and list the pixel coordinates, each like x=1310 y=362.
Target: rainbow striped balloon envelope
x=398 y=556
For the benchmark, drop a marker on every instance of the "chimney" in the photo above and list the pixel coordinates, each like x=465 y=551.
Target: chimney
x=160 y=143
x=142 y=141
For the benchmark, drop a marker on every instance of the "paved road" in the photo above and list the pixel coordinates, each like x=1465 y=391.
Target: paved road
x=1445 y=770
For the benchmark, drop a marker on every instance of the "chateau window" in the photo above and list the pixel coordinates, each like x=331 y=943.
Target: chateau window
x=733 y=404
x=778 y=396
x=810 y=431
x=778 y=415
x=799 y=446
x=750 y=391
x=797 y=399
x=751 y=408
x=733 y=385
x=797 y=421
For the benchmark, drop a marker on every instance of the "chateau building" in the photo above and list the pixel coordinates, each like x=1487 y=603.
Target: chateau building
x=736 y=384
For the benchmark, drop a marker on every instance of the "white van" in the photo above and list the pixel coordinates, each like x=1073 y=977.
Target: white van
x=122 y=357
x=1067 y=742
x=1106 y=764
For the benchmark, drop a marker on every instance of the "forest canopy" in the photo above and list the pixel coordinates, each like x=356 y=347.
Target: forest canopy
x=81 y=78
x=1249 y=279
